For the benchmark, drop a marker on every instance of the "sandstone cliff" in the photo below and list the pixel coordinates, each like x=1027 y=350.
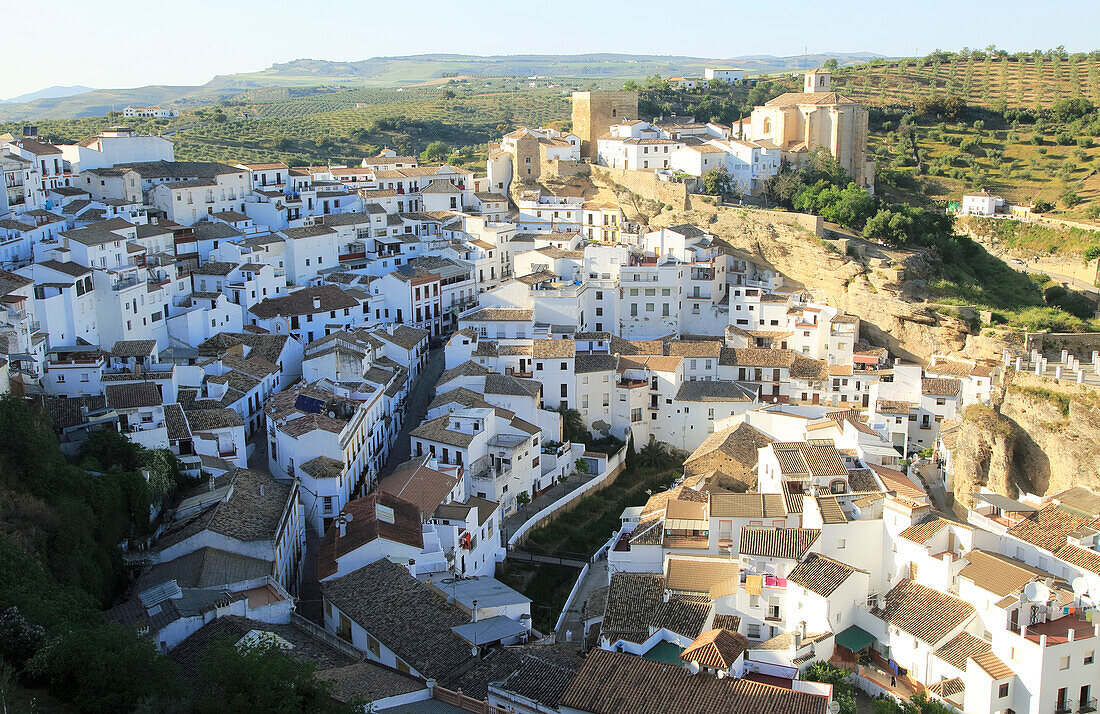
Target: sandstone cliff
x=1038 y=436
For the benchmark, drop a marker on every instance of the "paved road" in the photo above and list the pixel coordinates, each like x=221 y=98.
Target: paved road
x=1068 y=280
x=512 y=523
x=597 y=577
x=528 y=557
x=421 y=395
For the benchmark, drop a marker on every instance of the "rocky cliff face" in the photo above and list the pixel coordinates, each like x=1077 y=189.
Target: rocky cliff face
x=1039 y=436
x=881 y=287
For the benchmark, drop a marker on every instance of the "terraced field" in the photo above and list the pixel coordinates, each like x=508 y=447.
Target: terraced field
x=981 y=79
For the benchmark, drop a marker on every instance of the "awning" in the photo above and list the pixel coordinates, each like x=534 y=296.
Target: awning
x=854 y=639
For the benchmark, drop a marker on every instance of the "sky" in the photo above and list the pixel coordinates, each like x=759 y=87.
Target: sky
x=130 y=43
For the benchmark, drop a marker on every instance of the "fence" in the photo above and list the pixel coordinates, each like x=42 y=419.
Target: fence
x=460 y=700
x=572 y=596
x=615 y=464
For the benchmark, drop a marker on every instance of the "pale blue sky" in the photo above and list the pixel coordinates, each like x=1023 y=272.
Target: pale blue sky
x=126 y=43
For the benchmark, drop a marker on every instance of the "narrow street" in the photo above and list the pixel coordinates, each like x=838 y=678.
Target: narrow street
x=420 y=396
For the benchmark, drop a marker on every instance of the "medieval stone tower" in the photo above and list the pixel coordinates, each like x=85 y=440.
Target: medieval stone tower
x=594 y=112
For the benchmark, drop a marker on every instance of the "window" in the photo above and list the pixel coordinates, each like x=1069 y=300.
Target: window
x=1090 y=656
x=841 y=544
x=1063 y=663
x=1002 y=691
x=373 y=645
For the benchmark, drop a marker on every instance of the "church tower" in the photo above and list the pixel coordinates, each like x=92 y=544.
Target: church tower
x=818 y=81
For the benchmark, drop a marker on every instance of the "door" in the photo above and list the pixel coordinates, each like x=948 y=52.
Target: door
x=1014 y=621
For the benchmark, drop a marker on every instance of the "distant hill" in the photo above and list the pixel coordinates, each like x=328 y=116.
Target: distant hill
x=405 y=71
x=48 y=93
x=412 y=69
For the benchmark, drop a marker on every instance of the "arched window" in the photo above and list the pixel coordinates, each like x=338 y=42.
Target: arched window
x=838 y=486
x=614 y=112
x=767 y=125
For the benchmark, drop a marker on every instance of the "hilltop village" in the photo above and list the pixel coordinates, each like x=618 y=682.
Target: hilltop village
x=379 y=378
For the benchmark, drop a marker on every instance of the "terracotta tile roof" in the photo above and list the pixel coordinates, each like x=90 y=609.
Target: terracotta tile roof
x=365 y=527
x=821 y=574
x=960 y=648
x=499 y=314
x=939 y=386
x=790 y=543
x=799 y=458
x=416 y=483
x=437 y=430
x=695 y=348
x=555 y=349
x=708 y=390
x=253 y=511
x=536 y=672
x=948 y=687
x=924 y=529
x=831 y=512
x=993 y=665
x=700 y=575
x=301 y=302
x=922 y=612
x=733 y=451
x=817 y=99
x=1048 y=527
x=747 y=505
x=132 y=396
x=134 y=348
x=999 y=574
x=716 y=648
x=886 y=406
x=415 y=623
x=635 y=603
x=615 y=682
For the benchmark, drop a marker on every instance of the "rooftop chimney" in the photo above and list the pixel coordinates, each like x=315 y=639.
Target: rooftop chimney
x=316 y=303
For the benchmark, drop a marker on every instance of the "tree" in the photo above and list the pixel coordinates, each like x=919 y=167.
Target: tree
x=435 y=151
x=1071 y=199
x=572 y=425
x=106 y=668
x=263 y=678
x=655 y=455
x=831 y=64
x=631 y=86
x=717 y=182
x=19 y=639
x=448 y=94
x=828 y=673
x=523 y=499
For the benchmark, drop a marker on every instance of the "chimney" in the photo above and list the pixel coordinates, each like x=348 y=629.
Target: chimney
x=342 y=526
x=261 y=489
x=316 y=303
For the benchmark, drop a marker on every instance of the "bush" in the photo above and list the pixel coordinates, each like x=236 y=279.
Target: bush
x=107 y=668
x=1041 y=206
x=1070 y=199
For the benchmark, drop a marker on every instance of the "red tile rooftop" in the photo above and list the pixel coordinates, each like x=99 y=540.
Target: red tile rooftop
x=1057 y=631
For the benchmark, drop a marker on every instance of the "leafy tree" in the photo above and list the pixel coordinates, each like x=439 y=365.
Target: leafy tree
x=1071 y=199
x=106 y=668
x=1041 y=206
x=829 y=673
x=1072 y=108
x=18 y=638
x=831 y=64
x=631 y=86
x=572 y=425
x=717 y=182
x=1091 y=253
x=435 y=151
x=448 y=94
x=582 y=466
x=523 y=499
x=263 y=678
x=889 y=226
x=656 y=455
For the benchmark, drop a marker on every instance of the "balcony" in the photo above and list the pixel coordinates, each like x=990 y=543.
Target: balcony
x=1087 y=705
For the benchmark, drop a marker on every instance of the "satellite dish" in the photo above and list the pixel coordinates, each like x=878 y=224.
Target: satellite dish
x=694 y=668
x=332 y=415
x=1080 y=586
x=834 y=707
x=1036 y=592
x=721 y=674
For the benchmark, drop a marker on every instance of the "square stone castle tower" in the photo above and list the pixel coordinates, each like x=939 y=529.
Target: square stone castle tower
x=595 y=111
